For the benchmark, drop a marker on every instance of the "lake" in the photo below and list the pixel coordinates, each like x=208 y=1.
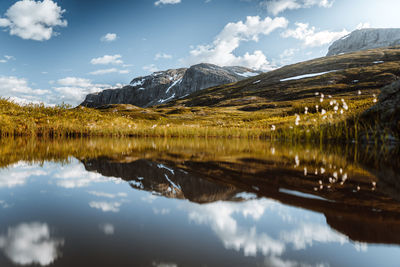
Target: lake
x=197 y=202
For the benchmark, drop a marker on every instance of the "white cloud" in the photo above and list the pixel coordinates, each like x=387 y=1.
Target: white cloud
x=306 y=234
x=312 y=38
x=105 y=206
x=107 y=195
x=277 y=6
x=34 y=20
x=108 y=71
x=73 y=89
x=109 y=37
x=6 y=59
x=162 y=56
x=74 y=81
x=220 y=52
x=18 y=175
x=107 y=228
x=107 y=59
x=150 y=68
x=364 y=25
x=221 y=217
x=18 y=90
x=165 y=2
x=162 y=211
x=30 y=243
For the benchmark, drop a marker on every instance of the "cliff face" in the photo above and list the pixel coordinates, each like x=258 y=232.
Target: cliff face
x=365 y=39
x=164 y=86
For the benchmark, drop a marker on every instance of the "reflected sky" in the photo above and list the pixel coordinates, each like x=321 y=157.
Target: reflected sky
x=63 y=215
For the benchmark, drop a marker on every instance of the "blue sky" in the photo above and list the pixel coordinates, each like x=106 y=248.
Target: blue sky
x=59 y=50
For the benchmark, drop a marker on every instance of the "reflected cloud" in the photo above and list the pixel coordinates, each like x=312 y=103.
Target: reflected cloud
x=306 y=234
x=105 y=206
x=18 y=174
x=278 y=262
x=162 y=211
x=4 y=204
x=222 y=218
x=219 y=216
x=75 y=176
x=30 y=243
x=164 y=264
x=107 y=228
x=107 y=195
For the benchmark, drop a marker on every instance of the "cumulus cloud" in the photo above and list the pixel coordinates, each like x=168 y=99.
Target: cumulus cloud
x=162 y=56
x=19 y=91
x=277 y=6
x=221 y=51
x=105 y=206
x=18 y=175
x=305 y=235
x=74 y=89
x=30 y=243
x=166 y=2
x=109 y=37
x=311 y=37
x=221 y=217
x=34 y=20
x=108 y=71
x=107 y=59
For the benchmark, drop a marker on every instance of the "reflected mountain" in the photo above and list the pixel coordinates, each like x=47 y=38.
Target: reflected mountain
x=161 y=180
x=357 y=202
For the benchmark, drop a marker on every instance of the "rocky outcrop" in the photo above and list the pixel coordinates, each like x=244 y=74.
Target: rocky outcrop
x=365 y=39
x=387 y=110
x=164 y=86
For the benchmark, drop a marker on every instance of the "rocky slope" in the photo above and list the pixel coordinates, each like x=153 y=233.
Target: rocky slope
x=343 y=75
x=387 y=110
x=164 y=86
x=365 y=39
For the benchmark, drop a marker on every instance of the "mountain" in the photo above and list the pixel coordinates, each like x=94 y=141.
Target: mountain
x=341 y=75
x=164 y=86
x=365 y=39
x=163 y=180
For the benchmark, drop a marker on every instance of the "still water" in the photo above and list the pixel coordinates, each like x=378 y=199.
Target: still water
x=158 y=202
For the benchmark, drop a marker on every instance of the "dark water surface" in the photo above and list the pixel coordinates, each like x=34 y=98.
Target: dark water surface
x=159 y=202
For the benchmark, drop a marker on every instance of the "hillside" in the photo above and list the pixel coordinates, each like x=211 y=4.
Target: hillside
x=342 y=75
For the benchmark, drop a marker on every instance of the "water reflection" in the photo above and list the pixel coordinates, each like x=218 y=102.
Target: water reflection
x=272 y=205
x=30 y=243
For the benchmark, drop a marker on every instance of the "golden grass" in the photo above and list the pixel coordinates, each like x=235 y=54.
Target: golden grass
x=228 y=122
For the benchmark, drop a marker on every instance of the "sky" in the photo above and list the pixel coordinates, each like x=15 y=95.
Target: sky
x=57 y=51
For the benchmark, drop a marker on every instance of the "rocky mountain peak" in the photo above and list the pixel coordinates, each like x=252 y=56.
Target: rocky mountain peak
x=365 y=39
x=163 y=86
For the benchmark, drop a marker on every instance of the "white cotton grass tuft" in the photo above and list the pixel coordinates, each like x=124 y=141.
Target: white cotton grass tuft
x=297 y=122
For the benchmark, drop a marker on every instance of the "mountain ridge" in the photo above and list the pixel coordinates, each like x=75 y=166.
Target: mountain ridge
x=364 y=39
x=163 y=86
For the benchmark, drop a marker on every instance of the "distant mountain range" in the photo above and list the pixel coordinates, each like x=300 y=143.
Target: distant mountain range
x=164 y=86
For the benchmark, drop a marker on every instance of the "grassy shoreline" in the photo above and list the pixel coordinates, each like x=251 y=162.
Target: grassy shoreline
x=311 y=120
